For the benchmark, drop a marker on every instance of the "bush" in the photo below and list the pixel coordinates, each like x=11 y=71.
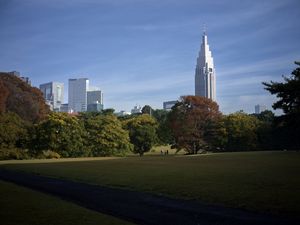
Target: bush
x=14 y=153
x=48 y=154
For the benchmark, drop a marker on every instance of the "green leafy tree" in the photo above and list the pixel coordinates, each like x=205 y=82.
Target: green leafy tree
x=147 y=110
x=13 y=131
x=108 y=111
x=105 y=135
x=163 y=131
x=241 y=130
x=195 y=122
x=288 y=93
x=61 y=133
x=266 y=130
x=142 y=132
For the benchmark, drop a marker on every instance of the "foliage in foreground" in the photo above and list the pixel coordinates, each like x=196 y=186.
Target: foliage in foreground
x=287 y=125
x=142 y=132
x=19 y=97
x=105 y=135
x=60 y=133
x=194 y=122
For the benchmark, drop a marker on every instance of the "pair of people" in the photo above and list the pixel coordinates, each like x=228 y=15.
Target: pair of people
x=162 y=152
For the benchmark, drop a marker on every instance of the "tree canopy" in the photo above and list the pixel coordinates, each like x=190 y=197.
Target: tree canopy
x=241 y=130
x=19 y=97
x=13 y=131
x=194 y=122
x=288 y=94
x=142 y=132
x=61 y=133
x=105 y=135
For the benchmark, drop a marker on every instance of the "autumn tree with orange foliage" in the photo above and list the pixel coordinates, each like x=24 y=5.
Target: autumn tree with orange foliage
x=19 y=97
x=195 y=124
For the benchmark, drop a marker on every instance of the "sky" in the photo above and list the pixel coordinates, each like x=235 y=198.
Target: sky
x=144 y=51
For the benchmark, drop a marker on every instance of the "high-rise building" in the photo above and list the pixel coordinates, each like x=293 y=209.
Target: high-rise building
x=205 y=77
x=94 y=99
x=65 y=108
x=53 y=93
x=260 y=108
x=95 y=96
x=168 y=105
x=77 y=97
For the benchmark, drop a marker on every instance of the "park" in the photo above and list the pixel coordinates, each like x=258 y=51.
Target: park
x=262 y=182
x=172 y=133
x=189 y=165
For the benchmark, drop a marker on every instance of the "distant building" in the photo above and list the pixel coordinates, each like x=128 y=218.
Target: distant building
x=122 y=113
x=94 y=99
x=94 y=96
x=205 y=77
x=65 y=108
x=17 y=74
x=53 y=93
x=77 y=97
x=95 y=107
x=136 y=110
x=168 y=105
x=260 y=108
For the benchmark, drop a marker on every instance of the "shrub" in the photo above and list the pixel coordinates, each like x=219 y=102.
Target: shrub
x=14 y=153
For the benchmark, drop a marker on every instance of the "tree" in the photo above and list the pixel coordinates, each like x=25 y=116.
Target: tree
x=61 y=133
x=108 y=111
x=241 y=131
x=105 y=135
x=147 y=110
x=142 y=132
x=288 y=92
x=266 y=130
x=19 y=97
x=194 y=122
x=163 y=131
x=13 y=131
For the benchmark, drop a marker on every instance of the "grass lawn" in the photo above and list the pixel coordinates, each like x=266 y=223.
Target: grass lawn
x=263 y=181
x=19 y=205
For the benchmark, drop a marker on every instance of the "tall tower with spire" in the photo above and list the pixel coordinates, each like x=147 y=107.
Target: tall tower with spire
x=205 y=77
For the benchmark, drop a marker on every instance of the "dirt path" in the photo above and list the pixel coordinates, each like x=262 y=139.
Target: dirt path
x=137 y=207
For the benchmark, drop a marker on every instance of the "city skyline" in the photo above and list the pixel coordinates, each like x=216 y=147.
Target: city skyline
x=143 y=52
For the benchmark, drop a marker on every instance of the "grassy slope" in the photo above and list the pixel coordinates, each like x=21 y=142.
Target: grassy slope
x=264 y=181
x=19 y=205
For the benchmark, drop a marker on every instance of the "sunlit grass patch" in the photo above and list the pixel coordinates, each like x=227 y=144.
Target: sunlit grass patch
x=263 y=181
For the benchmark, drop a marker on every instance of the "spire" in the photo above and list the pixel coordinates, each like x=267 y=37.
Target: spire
x=204 y=37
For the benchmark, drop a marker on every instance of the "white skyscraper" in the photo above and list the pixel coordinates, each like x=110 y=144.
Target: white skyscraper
x=54 y=94
x=205 y=78
x=77 y=97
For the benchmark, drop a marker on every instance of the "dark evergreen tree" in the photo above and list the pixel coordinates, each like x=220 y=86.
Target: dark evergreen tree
x=288 y=93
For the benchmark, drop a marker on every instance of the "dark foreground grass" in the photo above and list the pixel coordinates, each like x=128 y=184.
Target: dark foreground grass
x=262 y=181
x=19 y=205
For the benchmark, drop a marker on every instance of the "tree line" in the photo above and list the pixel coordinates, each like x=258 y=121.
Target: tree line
x=194 y=125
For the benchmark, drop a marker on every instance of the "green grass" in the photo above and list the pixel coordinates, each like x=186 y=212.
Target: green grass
x=157 y=150
x=263 y=181
x=19 y=205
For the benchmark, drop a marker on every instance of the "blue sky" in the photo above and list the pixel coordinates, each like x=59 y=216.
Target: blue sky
x=144 y=51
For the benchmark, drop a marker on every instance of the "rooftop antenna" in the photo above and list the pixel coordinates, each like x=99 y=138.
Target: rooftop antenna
x=204 y=29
